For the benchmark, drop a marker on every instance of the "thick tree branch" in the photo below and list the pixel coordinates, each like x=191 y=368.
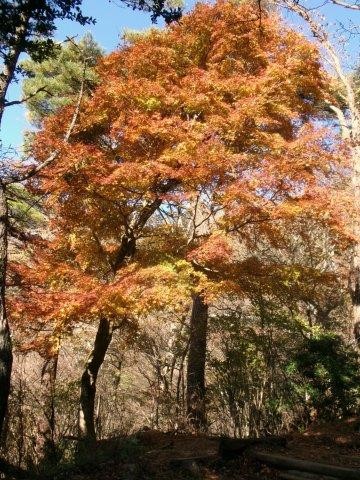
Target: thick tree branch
x=344 y=127
x=351 y=6
x=29 y=97
x=128 y=241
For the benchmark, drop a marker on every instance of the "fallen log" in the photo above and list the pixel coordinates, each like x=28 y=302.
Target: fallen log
x=353 y=458
x=296 y=475
x=288 y=463
x=231 y=447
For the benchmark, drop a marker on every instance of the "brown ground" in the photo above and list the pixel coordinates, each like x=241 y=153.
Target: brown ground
x=161 y=456
x=336 y=443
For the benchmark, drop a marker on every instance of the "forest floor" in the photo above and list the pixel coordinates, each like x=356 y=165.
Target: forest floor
x=336 y=443
x=153 y=455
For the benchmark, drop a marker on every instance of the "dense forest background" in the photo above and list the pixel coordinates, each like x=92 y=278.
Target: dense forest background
x=179 y=239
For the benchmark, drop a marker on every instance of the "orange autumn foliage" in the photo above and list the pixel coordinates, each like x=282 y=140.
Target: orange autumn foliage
x=215 y=107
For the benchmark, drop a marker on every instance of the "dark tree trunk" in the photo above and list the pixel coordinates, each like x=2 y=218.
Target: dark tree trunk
x=126 y=251
x=6 y=77
x=5 y=337
x=103 y=338
x=195 y=395
x=11 y=59
x=46 y=426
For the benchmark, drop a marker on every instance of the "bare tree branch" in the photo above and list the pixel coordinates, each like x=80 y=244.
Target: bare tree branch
x=29 y=97
x=350 y=132
x=54 y=155
x=322 y=36
x=351 y=6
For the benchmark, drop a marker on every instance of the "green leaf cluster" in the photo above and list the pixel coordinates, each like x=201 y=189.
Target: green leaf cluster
x=331 y=375
x=58 y=79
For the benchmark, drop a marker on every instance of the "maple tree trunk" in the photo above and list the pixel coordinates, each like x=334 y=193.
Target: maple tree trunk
x=103 y=338
x=46 y=426
x=86 y=422
x=195 y=394
x=5 y=337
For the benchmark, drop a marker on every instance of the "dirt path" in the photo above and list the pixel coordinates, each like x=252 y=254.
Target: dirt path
x=166 y=456
x=336 y=443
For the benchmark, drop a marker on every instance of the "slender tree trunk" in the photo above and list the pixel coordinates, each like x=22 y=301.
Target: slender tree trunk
x=46 y=426
x=355 y=272
x=104 y=334
x=195 y=395
x=103 y=338
x=5 y=337
x=126 y=251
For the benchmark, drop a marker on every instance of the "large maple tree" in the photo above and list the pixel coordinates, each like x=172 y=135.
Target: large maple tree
x=216 y=113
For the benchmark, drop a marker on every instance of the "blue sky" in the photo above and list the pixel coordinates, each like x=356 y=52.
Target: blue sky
x=112 y=17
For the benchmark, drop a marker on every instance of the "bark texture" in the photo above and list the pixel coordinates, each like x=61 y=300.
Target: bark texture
x=285 y=462
x=195 y=395
x=6 y=77
x=11 y=60
x=126 y=251
x=6 y=356
x=46 y=427
x=88 y=380
x=355 y=271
